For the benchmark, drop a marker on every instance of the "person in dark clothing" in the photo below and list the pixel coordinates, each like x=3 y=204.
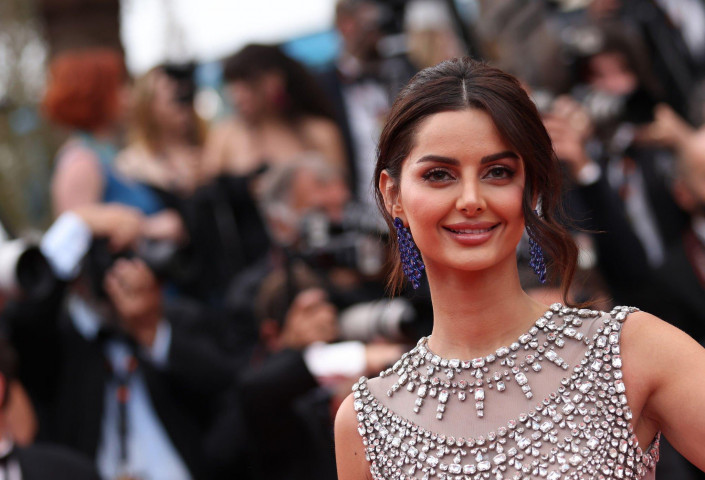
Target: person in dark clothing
x=112 y=378
x=34 y=462
x=361 y=85
x=290 y=392
x=682 y=275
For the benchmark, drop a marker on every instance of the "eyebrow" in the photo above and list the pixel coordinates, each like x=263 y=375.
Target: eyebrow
x=483 y=160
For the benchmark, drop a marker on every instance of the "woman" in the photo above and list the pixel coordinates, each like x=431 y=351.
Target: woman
x=464 y=167
x=86 y=94
x=281 y=114
x=165 y=135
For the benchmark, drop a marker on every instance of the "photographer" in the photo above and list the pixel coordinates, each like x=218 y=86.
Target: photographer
x=109 y=375
x=300 y=379
x=313 y=270
x=32 y=462
x=605 y=143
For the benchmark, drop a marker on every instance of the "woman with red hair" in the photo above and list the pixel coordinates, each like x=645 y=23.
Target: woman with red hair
x=87 y=93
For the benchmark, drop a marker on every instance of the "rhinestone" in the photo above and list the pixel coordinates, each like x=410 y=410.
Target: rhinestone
x=579 y=431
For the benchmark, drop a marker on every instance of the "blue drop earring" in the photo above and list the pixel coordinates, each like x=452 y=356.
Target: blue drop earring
x=537 y=262
x=411 y=261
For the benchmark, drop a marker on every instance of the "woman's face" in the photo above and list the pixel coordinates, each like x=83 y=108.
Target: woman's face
x=169 y=114
x=254 y=98
x=460 y=192
x=610 y=72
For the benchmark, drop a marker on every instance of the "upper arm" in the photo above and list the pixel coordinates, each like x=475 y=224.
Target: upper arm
x=663 y=373
x=78 y=180
x=349 y=450
x=325 y=138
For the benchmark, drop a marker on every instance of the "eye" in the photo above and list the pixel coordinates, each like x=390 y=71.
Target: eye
x=499 y=172
x=437 y=175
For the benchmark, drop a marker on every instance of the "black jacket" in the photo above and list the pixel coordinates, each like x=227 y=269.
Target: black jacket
x=65 y=375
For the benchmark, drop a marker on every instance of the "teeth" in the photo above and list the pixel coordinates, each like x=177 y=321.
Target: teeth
x=484 y=230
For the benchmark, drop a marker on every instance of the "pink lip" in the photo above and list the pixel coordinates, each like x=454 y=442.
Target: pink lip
x=471 y=234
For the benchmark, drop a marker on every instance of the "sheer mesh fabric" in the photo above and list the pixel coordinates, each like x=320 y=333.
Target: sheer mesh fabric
x=583 y=402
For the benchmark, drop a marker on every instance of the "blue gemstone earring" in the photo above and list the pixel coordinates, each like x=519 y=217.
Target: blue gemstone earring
x=411 y=261
x=537 y=262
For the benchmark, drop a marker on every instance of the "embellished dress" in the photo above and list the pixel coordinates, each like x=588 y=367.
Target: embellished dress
x=550 y=405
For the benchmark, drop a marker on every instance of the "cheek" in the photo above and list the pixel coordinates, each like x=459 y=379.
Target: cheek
x=509 y=201
x=422 y=206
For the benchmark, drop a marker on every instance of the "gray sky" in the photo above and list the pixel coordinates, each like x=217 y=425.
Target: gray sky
x=209 y=29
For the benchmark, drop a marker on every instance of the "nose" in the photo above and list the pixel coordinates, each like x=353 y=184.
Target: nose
x=470 y=200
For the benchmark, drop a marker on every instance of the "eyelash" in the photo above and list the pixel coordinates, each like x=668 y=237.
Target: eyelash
x=505 y=172
x=428 y=176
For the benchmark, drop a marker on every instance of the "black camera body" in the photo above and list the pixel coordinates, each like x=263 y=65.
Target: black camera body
x=355 y=243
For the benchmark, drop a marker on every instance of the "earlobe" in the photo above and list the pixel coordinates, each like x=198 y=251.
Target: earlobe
x=537 y=204
x=390 y=193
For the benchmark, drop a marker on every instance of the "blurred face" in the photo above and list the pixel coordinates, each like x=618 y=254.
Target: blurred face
x=460 y=192
x=610 y=72
x=169 y=114
x=255 y=98
x=359 y=30
x=309 y=192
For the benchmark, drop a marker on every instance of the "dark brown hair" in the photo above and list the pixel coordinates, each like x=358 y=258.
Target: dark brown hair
x=303 y=93
x=464 y=83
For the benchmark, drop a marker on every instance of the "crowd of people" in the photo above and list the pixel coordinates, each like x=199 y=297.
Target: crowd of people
x=218 y=288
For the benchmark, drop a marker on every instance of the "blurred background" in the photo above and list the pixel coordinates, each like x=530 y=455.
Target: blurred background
x=192 y=266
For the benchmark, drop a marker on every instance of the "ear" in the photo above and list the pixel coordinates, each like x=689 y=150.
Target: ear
x=683 y=196
x=391 y=194
x=269 y=332
x=536 y=202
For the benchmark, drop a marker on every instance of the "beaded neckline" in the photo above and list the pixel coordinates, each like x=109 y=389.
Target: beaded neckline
x=521 y=339
x=430 y=375
x=580 y=430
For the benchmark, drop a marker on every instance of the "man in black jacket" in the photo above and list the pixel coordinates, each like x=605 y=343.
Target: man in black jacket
x=45 y=462
x=111 y=378
x=682 y=276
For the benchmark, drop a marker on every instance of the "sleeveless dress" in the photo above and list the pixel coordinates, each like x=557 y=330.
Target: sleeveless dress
x=118 y=188
x=551 y=405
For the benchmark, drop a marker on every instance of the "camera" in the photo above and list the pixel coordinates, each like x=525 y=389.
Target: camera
x=392 y=319
x=355 y=242
x=162 y=257
x=24 y=271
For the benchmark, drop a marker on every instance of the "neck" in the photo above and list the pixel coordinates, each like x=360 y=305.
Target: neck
x=104 y=134
x=477 y=312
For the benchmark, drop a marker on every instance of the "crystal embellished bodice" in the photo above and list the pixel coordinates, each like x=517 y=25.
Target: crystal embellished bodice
x=551 y=405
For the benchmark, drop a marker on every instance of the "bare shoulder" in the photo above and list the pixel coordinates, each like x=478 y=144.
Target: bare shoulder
x=652 y=340
x=651 y=346
x=652 y=350
x=662 y=374
x=319 y=124
x=76 y=156
x=349 y=450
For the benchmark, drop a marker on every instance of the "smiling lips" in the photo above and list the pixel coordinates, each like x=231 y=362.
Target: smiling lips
x=471 y=234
